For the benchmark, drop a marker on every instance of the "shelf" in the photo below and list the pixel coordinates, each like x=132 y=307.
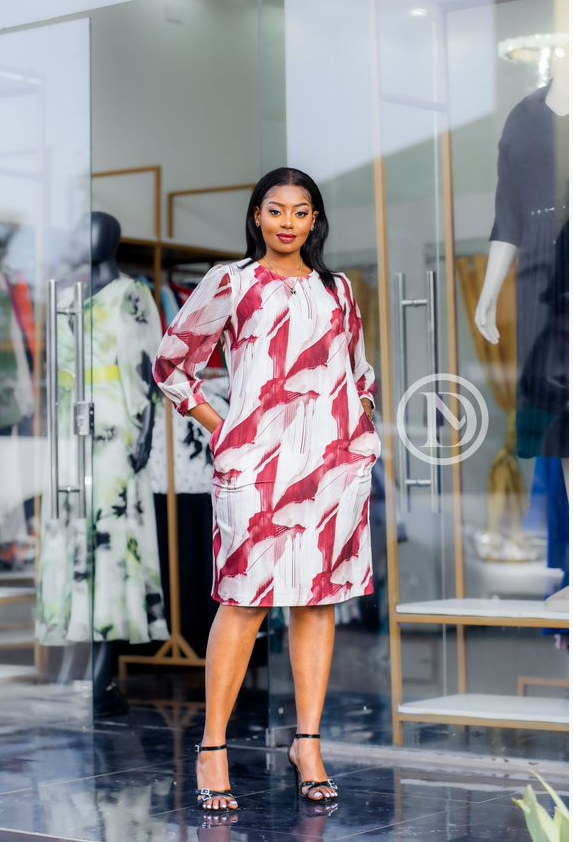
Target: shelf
x=17 y=638
x=139 y=252
x=482 y=709
x=8 y=595
x=10 y=672
x=522 y=613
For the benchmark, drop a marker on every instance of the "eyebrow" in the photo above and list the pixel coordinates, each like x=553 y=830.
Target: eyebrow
x=300 y=204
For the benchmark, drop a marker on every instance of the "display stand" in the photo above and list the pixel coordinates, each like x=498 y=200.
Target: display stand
x=138 y=254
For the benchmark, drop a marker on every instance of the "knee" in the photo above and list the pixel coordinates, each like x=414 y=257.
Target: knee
x=245 y=614
x=313 y=613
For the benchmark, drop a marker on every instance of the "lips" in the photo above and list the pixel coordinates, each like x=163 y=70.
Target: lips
x=286 y=238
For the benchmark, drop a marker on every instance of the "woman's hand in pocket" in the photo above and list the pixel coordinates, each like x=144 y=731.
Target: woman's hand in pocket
x=367 y=407
x=207 y=417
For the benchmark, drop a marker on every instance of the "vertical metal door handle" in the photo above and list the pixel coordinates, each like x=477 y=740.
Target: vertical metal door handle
x=402 y=375
x=435 y=477
x=80 y=391
x=52 y=397
x=404 y=480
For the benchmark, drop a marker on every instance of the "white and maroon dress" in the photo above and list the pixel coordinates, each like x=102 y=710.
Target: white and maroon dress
x=293 y=458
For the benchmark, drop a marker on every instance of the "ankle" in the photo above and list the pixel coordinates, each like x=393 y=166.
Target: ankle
x=210 y=738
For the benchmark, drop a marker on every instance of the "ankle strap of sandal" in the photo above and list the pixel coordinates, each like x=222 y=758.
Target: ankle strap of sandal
x=307 y=736
x=199 y=748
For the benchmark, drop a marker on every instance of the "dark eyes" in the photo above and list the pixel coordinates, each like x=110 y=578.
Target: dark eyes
x=301 y=214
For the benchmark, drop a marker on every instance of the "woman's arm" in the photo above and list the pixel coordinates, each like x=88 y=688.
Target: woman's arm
x=363 y=372
x=207 y=416
x=188 y=344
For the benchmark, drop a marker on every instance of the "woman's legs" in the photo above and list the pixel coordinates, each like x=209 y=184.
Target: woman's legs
x=229 y=649
x=311 y=639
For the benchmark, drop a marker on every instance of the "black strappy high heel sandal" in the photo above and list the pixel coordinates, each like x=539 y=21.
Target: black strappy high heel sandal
x=208 y=794
x=300 y=785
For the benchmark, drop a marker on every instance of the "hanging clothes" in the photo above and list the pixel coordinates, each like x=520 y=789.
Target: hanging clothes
x=192 y=458
x=16 y=394
x=123 y=330
x=549 y=512
x=195 y=541
x=23 y=308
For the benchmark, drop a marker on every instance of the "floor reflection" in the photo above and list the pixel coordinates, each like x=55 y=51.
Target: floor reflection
x=132 y=779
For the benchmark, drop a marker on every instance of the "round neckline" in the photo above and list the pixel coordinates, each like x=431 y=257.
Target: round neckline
x=554 y=113
x=285 y=277
x=544 y=101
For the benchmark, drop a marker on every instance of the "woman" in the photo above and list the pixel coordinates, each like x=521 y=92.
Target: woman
x=292 y=460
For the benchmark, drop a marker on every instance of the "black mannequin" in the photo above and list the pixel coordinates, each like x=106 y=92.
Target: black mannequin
x=105 y=237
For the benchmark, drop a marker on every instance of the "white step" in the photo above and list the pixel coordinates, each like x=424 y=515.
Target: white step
x=10 y=672
x=521 y=609
x=17 y=594
x=487 y=707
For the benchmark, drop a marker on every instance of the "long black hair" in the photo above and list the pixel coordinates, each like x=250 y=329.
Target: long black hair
x=312 y=250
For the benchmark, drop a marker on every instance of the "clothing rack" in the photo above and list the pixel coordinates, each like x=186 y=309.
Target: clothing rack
x=164 y=255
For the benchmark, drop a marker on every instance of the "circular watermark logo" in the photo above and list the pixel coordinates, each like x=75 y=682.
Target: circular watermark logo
x=467 y=414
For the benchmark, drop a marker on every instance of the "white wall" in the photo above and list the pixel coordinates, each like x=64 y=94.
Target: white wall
x=20 y=12
x=183 y=95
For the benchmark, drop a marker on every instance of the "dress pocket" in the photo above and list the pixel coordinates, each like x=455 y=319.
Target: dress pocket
x=365 y=439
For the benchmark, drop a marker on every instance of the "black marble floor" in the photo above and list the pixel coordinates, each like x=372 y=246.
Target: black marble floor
x=131 y=779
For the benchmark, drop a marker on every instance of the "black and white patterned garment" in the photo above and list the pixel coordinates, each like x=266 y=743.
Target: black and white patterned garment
x=192 y=456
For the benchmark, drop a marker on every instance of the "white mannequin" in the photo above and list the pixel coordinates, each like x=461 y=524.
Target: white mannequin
x=502 y=255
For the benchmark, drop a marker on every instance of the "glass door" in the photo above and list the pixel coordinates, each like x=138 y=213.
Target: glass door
x=45 y=352
x=409 y=101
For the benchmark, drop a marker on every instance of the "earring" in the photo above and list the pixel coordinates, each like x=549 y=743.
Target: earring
x=257 y=223
x=312 y=227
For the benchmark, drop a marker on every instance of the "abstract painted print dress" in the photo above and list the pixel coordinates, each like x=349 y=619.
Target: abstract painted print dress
x=293 y=458
x=123 y=331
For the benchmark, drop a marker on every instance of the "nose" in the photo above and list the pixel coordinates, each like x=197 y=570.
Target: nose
x=287 y=220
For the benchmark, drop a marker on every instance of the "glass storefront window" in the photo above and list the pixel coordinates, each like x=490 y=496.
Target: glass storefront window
x=397 y=110
x=45 y=479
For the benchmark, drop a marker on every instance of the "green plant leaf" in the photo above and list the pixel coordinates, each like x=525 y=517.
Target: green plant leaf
x=561 y=823
x=539 y=824
x=558 y=802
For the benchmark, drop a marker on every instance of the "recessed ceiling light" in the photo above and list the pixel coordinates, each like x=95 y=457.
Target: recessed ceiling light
x=538 y=49
x=419 y=12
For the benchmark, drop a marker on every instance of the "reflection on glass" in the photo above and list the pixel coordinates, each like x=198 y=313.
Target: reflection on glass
x=122 y=328
x=422 y=95
x=44 y=189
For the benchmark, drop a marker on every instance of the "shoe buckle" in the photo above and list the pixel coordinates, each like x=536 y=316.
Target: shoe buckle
x=197 y=748
x=206 y=793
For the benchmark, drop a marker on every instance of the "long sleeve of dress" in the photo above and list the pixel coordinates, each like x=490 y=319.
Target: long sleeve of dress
x=363 y=372
x=508 y=223
x=191 y=338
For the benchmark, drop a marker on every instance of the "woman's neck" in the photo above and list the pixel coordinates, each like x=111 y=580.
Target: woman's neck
x=285 y=262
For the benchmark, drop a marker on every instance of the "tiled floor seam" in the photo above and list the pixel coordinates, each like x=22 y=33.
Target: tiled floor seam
x=89 y=777
x=25 y=834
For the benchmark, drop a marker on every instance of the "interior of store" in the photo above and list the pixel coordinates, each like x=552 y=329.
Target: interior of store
x=161 y=117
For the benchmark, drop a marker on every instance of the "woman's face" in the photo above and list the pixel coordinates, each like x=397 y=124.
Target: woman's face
x=285 y=218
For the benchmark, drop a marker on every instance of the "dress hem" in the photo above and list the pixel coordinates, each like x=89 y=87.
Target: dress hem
x=334 y=600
